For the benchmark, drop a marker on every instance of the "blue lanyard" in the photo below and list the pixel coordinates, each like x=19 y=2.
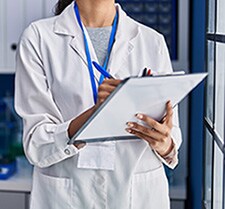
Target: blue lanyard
x=88 y=55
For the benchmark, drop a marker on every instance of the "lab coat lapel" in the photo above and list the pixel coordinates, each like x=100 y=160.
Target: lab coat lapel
x=77 y=43
x=66 y=24
x=126 y=34
x=119 y=55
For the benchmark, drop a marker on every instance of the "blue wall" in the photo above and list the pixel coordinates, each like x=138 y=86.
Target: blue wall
x=197 y=60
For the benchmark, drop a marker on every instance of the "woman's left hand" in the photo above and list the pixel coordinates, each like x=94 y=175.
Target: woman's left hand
x=157 y=134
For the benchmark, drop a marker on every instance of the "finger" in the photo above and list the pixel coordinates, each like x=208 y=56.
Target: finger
x=104 y=90
x=149 y=132
x=151 y=122
x=153 y=143
x=169 y=114
x=102 y=96
x=112 y=82
x=106 y=87
x=169 y=109
x=163 y=120
x=79 y=144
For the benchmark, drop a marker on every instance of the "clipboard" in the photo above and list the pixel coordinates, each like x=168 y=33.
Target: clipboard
x=133 y=95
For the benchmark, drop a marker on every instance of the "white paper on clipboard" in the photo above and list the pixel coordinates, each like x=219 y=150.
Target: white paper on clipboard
x=146 y=95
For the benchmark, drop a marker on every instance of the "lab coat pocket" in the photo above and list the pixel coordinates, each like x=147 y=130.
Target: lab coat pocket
x=150 y=190
x=51 y=192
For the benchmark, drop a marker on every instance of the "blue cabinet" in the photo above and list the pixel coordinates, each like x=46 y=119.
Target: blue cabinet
x=161 y=15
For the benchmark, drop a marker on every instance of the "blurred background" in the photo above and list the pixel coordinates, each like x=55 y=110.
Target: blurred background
x=195 y=34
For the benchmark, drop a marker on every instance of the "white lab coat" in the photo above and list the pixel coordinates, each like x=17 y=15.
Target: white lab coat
x=53 y=86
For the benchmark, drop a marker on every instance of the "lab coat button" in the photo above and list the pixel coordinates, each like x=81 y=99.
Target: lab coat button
x=66 y=151
x=100 y=181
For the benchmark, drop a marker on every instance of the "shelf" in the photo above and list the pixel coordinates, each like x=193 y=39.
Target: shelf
x=21 y=181
x=7 y=71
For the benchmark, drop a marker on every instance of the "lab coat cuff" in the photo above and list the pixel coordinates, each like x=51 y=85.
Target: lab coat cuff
x=171 y=159
x=62 y=139
x=59 y=135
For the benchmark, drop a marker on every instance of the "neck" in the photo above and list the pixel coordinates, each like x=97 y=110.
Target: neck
x=97 y=13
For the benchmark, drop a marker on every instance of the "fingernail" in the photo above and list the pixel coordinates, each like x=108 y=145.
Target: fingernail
x=139 y=116
x=128 y=130
x=79 y=146
x=130 y=124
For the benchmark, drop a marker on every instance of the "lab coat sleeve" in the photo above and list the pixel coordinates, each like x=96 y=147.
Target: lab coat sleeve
x=165 y=66
x=45 y=132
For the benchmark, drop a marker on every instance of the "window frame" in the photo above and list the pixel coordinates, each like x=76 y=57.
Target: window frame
x=208 y=124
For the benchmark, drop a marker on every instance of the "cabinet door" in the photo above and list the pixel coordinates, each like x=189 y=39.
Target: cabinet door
x=18 y=15
x=34 y=10
x=49 y=7
x=10 y=200
x=14 y=27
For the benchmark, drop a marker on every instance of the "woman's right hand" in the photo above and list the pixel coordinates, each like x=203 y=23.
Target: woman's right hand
x=105 y=89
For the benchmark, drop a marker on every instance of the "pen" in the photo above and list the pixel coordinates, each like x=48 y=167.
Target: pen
x=146 y=72
x=101 y=70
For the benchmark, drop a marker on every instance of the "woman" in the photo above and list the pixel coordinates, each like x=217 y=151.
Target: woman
x=58 y=89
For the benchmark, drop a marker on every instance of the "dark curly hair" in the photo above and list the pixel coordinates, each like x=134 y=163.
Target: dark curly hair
x=61 y=5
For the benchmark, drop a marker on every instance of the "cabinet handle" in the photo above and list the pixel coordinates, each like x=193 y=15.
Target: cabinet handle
x=14 y=46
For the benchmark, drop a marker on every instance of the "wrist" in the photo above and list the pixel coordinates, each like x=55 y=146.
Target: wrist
x=168 y=150
x=78 y=122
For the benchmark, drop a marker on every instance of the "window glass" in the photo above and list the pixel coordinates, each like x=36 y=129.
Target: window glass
x=220 y=78
x=210 y=81
x=221 y=16
x=208 y=169
x=218 y=178
x=211 y=16
x=215 y=108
